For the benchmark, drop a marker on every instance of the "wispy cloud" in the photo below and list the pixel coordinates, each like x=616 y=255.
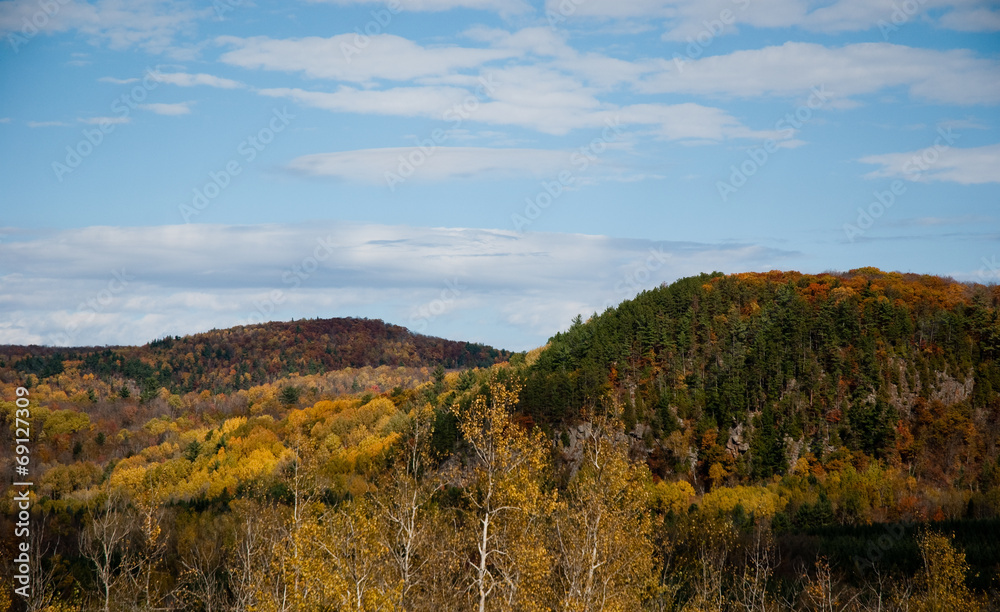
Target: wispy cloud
x=963 y=124
x=182 y=79
x=148 y=24
x=186 y=278
x=969 y=166
x=442 y=163
x=104 y=120
x=43 y=124
x=952 y=77
x=504 y=7
x=117 y=81
x=687 y=18
x=384 y=56
x=161 y=108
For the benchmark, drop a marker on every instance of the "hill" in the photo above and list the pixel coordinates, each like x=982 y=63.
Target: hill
x=222 y=361
x=752 y=372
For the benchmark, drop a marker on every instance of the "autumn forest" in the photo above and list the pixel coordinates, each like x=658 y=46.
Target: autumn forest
x=749 y=442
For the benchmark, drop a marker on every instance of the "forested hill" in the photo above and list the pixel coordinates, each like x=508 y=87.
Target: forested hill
x=240 y=357
x=754 y=371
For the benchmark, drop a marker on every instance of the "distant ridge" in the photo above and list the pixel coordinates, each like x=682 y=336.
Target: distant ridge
x=239 y=357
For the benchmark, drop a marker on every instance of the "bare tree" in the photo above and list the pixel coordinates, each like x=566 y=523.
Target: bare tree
x=401 y=501
x=201 y=555
x=105 y=542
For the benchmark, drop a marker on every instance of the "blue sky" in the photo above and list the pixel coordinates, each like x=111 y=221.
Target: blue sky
x=476 y=169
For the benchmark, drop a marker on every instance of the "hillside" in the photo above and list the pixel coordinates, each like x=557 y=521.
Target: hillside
x=751 y=372
x=222 y=361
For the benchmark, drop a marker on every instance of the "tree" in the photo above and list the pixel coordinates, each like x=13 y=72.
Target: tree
x=343 y=565
x=104 y=541
x=941 y=585
x=602 y=528
x=401 y=501
x=256 y=556
x=201 y=554
x=510 y=563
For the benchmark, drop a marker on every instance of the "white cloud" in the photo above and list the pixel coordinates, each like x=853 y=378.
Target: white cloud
x=548 y=104
x=182 y=79
x=515 y=289
x=41 y=124
x=443 y=163
x=400 y=101
x=504 y=7
x=545 y=85
x=4 y=119
x=347 y=57
x=968 y=166
x=949 y=77
x=972 y=20
x=963 y=124
x=104 y=120
x=162 y=108
x=118 y=81
x=684 y=19
x=149 y=24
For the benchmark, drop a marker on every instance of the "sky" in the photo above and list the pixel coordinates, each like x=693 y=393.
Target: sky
x=480 y=170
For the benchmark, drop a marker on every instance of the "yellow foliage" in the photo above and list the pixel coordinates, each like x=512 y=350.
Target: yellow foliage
x=130 y=478
x=942 y=583
x=160 y=426
x=64 y=479
x=260 y=462
x=66 y=422
x=261 y=398
x=757 y=500
x=233 y=424
x=676 y=496
x=161 y=452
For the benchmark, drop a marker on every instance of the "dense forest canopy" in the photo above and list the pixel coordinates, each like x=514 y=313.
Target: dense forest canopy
x=227 y=360
x=753 y=441
x=898 y=367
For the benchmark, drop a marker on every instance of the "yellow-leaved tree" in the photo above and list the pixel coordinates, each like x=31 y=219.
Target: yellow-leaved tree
x=603 y=528
x=342 y=563
x=510 y=563
x=941 y=585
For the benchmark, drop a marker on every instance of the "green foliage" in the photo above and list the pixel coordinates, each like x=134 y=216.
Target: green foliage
x=290 y=395
x=822 y=360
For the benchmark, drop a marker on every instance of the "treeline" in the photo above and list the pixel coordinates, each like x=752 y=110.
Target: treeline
x=224 y=361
